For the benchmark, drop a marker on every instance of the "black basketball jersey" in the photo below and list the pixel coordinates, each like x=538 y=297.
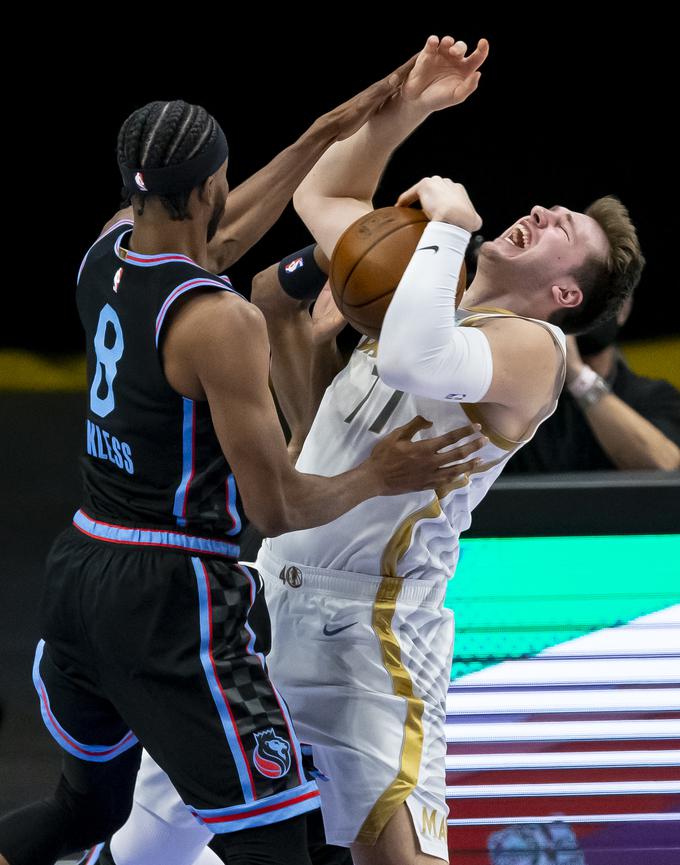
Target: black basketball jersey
x=153 y=469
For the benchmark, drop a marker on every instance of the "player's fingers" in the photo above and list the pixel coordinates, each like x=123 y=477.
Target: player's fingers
x=458 y=453
x=453 y=436
x=449 y=474
x=478 y=221
x=408 y=430
x=455 y=476
x=432 y=44
x=410 y=196
x=479 y=55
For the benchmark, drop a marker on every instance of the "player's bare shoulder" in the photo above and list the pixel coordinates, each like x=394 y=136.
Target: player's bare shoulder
x=125 y=213
x=208 y=332
x=534 y=334
x=209 y=314
x=526 y=360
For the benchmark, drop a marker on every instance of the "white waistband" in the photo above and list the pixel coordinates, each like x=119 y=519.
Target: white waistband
x=344 y=584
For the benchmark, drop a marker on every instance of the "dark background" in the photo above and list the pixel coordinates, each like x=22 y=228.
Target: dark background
x=568 y=109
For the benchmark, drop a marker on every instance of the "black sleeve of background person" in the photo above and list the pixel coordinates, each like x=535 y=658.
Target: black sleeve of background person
x=656 y=400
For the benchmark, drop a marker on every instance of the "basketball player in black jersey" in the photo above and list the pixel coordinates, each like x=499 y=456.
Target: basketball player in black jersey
x=145 y=614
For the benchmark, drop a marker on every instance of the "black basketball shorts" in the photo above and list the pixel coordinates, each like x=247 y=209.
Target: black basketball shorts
x=157 y=645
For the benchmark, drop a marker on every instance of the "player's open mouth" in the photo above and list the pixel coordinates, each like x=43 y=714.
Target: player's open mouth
x=519 y=236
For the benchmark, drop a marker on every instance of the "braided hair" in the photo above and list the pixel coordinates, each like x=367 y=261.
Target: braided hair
x=162 y=134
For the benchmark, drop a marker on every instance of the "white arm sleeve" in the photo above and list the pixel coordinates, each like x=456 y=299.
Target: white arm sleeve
x=421 y=350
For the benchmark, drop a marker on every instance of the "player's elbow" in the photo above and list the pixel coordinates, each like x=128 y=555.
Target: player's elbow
x=393 y=368
x=269 y=521
x=272 y=528
x=306 y=202
x=261 y=504
x=402 y=380
x=265 y=289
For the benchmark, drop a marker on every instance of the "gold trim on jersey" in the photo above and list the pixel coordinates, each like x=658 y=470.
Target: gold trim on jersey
x=464 y=480
x=401 y=538
x=472 y=410
x=495 y=310
x=412 y=747
x=369 y=346
x=474 y=415
x=443 y=490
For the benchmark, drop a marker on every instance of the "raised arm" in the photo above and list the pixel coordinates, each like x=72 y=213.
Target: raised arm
x=304 y=354
x=255 y=205
x=216 y=349
x=340 y=187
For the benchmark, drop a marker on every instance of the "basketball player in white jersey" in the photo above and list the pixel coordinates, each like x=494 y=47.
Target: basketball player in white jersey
x=361 y=642
x=362 y=645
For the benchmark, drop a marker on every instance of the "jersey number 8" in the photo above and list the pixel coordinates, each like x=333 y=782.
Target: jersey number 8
x=107 y=361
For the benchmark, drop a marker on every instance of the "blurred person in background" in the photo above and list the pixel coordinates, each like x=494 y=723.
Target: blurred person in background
x=608 y=417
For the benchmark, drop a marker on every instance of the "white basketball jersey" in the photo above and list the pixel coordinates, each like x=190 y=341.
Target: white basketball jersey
x=414 y=535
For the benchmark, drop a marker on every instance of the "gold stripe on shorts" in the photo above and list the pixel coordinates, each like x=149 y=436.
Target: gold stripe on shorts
x=412 y=747
x=412 y=744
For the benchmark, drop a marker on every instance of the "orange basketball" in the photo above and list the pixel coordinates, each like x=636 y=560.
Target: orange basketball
x=369 y=260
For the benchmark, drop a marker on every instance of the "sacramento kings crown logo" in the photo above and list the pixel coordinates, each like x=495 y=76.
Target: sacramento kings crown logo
x=271 y=755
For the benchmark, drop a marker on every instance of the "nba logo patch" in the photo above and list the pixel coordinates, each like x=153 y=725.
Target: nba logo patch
x=294 y=265
x=271 y=755
x=139 y=180
x=116 y=279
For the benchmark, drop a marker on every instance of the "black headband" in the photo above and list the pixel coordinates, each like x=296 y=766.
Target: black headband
x=176 y=178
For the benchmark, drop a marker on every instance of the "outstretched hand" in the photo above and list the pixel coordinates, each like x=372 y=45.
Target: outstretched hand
x=404 y=465
x=442 y=75
x=351 y=115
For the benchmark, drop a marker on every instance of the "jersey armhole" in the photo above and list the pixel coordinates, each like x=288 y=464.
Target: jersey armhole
x=181 y=290
x=546 y=410
x=116 y=225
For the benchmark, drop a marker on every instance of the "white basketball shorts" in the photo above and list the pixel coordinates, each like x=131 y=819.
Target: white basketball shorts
x=364 y=663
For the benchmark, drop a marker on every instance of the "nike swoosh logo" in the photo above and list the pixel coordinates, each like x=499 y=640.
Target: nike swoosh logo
x=330 y=633
x=435 y=248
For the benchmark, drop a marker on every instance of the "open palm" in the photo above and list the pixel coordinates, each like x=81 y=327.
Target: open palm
x=443 y=76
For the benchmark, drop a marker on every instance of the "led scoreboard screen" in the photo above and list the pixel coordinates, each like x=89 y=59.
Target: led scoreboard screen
x=563 y=713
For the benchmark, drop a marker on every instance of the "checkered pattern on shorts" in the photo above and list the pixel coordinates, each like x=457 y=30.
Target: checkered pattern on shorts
x=255 y=705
